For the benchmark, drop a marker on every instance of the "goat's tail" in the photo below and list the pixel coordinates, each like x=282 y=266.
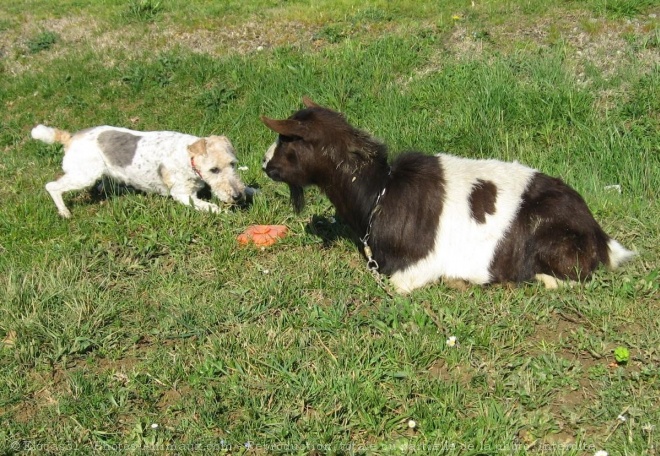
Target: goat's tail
x=51 y=135
x=618 y=254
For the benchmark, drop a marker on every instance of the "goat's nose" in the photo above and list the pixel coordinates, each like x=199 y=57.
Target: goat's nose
x=273 y=174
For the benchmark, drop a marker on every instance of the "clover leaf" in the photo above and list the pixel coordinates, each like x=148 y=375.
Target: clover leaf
x=621 y=355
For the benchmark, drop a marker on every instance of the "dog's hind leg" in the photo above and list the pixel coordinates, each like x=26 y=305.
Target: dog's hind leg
x=67 y=183
x=82 y=166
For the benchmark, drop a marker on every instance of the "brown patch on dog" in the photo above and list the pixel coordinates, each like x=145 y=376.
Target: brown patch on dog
x=63 y=137
x=482 y=200
x=165 y=176
x=197 y=148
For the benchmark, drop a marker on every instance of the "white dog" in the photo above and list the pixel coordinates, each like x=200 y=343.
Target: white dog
x=164 y=162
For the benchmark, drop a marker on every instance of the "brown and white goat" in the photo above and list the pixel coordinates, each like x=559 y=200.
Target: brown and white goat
x=430 y=217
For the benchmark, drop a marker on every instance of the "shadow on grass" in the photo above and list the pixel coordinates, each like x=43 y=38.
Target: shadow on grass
x=106 y=189
x=330 y=230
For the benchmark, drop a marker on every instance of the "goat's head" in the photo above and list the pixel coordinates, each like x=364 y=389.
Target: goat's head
x=314 y=144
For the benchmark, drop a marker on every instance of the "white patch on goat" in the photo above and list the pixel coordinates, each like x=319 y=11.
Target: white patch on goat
x=551 y=283
x=269 y=155
x=618 y=254
x=464 y=248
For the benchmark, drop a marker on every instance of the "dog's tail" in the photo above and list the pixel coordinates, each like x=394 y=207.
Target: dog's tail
x=51 y=135
x=618 y=254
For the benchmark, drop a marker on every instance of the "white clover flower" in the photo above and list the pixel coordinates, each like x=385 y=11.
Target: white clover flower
x=452 y=341
x=621 y=418
x=412 y=424
x=600 y=453
x=243 y=168
x=154 y=426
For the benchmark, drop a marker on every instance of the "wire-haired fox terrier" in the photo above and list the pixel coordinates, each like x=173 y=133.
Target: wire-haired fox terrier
x=164 y=162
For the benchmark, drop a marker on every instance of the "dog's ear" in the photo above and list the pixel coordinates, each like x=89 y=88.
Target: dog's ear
x=220 y=141
x=288 y=127
x=197 y=148
x=309 y=103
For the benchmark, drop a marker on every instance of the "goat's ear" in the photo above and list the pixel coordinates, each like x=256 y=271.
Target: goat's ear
x=197 y=148
x=309 y=103
x=286 y=127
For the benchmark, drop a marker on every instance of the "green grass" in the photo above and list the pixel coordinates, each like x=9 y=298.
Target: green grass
x=143 y=10
x=139 y=311
x=42 y=42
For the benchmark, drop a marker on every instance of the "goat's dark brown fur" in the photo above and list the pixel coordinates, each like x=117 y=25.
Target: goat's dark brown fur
x=440 y=216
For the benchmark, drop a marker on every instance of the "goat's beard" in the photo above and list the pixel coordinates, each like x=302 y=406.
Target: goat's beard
x=297 y=197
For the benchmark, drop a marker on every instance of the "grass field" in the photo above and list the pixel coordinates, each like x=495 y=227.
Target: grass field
x=140 y=326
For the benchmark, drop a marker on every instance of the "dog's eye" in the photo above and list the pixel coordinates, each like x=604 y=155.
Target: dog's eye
x=214 y=170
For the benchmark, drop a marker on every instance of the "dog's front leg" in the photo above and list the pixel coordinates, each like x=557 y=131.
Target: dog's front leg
x=202 y=205
x=185 y=194
x=192 y=200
